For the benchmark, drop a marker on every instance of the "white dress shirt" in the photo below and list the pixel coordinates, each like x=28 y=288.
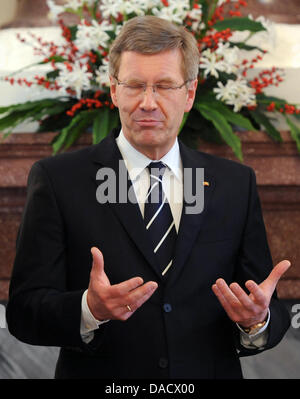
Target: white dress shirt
x=172 y=183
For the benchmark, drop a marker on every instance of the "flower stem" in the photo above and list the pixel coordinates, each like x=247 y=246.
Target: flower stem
x=249 y=36
x=212 y=8
x=22 y=69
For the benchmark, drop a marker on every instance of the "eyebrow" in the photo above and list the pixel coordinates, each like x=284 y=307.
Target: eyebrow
x=166 y=80
x=163 y=80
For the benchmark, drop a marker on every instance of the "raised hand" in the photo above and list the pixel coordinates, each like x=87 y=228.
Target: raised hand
x=115 y=302
x=248 y=310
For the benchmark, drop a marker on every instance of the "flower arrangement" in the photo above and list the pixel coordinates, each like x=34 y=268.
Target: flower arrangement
x=227 y=99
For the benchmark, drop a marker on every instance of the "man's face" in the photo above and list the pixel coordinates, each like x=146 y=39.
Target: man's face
x=151 y=121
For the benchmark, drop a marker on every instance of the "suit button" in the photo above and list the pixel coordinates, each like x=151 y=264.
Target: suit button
x=163 y=362
x=167 y=307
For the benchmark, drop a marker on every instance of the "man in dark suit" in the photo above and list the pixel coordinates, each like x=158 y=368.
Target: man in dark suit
x=153 y=301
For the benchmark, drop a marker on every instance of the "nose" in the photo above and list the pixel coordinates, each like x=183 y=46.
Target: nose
x=148 y=101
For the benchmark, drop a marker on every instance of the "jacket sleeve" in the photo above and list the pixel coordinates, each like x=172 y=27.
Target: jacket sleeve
x=41 y=310
x=255 y=263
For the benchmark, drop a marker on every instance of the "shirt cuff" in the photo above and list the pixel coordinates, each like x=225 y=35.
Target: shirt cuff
x=257 y=340
x=88 y=322
x=264 y=327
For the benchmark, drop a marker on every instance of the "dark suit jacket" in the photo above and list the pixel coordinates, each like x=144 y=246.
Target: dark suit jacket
x=182 y=330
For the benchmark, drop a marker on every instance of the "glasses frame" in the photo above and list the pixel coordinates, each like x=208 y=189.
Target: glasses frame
x=145 y=86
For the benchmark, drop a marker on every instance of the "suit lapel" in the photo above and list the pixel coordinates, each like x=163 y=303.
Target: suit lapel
x=107 y=154
x=190 y=224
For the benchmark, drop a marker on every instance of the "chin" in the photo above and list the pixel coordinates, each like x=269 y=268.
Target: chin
x=151 y=138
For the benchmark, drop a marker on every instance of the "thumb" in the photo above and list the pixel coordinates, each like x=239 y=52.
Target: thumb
x=97 y=271
x=275 y=275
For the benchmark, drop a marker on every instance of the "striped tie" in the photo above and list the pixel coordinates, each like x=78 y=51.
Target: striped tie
x=158 y=218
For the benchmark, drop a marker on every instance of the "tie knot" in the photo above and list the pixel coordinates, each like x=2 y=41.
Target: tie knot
x=156 y=169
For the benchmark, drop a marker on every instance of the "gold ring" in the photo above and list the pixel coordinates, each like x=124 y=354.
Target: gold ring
x=129 y=308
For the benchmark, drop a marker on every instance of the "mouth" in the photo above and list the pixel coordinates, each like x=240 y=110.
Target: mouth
x=148 y=122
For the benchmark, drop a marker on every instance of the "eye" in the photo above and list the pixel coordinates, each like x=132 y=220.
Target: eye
x=162 y=86
x=135 y=86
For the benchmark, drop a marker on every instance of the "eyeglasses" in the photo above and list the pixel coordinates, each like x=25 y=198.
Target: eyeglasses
x=136 y=88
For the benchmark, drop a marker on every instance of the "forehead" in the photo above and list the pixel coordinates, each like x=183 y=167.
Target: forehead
x=164 y=65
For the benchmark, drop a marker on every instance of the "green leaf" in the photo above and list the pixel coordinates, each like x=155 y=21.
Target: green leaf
x=31 y=111
x=17 y=107
x=59 y=139
x=231 y=116
x=263 y=99
x=31 y=105
x=52 y=75
x=240 y=24
x=204 y=97
x=114 y=119
x=105 y=120
x=73 y=30
x=13 y=119
x=212 y=5
x=205 y=10
x=101 y=125
x=297 y=116
x=56 y=109
x=77 y=130
x=185 y=116
x=295 y=131
x=71 y=132
x=236 y=118
x=223 y=127
x=244 y=46
x=202 y=128
x=261 y=119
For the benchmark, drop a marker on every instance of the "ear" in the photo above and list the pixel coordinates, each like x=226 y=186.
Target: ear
x=113 y=89
x=191 y=93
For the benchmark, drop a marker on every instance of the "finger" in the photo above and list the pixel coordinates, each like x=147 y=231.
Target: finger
x=258 y=295
x=140 y=295
x=98 y=261
x=122 y=313
x=135 y=300
x=227 y=293
x=241 y=295
x=97 y=271
x=225 y=304
x=271 y=281
x=123 y=288
x=279 y=270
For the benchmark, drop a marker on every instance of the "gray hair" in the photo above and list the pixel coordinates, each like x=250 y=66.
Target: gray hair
x=150 y=35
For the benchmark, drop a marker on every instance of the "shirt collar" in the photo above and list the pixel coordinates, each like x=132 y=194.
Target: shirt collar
x=136 y=162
